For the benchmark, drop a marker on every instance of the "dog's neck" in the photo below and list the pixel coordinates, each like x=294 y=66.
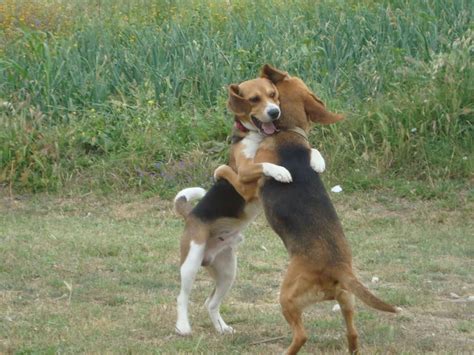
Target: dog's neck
x=299 y=131
x=251 y=144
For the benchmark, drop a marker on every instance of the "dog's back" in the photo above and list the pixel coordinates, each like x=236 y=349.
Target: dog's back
x=221 y=201
x=301 y=212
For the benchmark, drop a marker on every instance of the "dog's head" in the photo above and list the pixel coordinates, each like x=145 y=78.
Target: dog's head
x=299 y=105
x=255 y=104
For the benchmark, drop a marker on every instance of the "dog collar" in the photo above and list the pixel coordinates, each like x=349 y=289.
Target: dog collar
x=299 y=131
x=240 y=126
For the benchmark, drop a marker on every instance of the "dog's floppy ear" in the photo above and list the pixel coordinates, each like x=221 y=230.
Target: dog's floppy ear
x=316 y=111
x=273 y=74
x=236 y=103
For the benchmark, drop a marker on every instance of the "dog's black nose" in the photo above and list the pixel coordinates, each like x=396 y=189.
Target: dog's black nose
x=274 y=113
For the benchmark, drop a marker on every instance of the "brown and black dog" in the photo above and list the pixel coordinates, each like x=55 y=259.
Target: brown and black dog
x=302 y=214
x=213 y=226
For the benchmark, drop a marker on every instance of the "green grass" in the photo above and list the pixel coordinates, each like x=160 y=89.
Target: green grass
x=110 y=104
x=112 y=95
x=100 y=274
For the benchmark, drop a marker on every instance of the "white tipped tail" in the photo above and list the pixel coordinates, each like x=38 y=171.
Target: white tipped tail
x=182 y=201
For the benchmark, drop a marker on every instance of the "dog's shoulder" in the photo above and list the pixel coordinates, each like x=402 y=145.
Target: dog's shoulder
x=296 y=158
x=302 y=206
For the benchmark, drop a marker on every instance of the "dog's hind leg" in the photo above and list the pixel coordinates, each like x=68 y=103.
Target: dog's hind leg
x=298 y=291
x=189 y=269
x=346 y=301
x=223 y=269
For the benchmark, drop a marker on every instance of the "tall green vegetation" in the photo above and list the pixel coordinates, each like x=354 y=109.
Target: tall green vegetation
x=123 y=94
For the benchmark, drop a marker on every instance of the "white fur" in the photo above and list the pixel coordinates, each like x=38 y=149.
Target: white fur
x=277 y=172
x=251 y=143
x=191 y=193
x=220 y=252
x=317 y=161
x=217 y=244
x=188 y=270
x=224 y=270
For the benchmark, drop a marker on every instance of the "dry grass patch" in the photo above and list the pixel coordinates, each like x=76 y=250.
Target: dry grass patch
x=95 y=274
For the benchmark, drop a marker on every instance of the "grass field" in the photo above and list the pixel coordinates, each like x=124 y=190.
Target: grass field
x=115 y=95
x=95 y=274
x=108 y=107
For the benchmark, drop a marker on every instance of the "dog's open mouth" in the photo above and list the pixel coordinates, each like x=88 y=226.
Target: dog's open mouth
x=267 y=128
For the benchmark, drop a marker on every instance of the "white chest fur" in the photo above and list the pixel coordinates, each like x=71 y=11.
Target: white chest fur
x=251 y=143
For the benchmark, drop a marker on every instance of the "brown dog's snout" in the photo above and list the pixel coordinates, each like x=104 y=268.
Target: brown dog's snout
x=274 y=113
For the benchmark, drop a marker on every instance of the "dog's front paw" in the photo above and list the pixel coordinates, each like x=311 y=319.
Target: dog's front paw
x=317 y=161
x=277 y=172
x=219 y=172
x=284 y=176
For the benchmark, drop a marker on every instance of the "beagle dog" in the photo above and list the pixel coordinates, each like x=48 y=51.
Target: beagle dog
x=245 y=101
x=213 y=227
x=301 y=213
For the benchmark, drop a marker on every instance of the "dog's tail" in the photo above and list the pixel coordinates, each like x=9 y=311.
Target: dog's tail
x=350 y=282
x=182 y=201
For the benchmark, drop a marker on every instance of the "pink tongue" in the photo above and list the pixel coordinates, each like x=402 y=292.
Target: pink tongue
x=268 y=128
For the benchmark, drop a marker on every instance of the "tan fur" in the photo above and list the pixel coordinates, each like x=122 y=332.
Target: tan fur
x=242 y=102
x=250 y=97
x=246 y=180
x=201 y=233
x=316 y=273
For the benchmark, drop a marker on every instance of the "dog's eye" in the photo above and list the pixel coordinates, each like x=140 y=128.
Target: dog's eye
x=272 y=95
x=254 y=99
